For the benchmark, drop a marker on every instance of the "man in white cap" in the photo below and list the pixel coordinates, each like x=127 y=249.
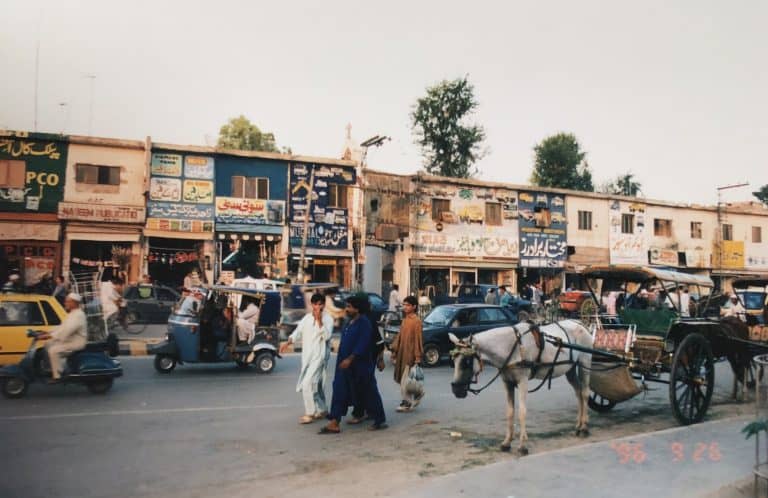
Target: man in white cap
x=70 y=336
x=13 y=283
x=734 y=308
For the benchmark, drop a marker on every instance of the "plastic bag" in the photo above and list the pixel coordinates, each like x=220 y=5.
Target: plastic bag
x=415 y=384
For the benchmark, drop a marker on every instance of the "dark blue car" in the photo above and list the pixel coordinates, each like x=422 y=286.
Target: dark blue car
x=459 y=319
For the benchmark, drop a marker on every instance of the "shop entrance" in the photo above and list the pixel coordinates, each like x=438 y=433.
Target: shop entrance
x=87 y=255
x=170 y=260
x=255 y=256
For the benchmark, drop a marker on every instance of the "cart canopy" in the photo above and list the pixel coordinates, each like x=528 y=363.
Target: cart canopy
x=645 y=274
x=751 y=281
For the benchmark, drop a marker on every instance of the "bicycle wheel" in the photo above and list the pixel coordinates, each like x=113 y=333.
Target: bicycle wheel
x=133 y=324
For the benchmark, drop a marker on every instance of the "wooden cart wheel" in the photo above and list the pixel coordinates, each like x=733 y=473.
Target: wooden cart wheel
x=692 y=379
x=600 y=404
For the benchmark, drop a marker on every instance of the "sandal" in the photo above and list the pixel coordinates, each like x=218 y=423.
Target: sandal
x=318 y=416
x=327 y=430
x=306 y=419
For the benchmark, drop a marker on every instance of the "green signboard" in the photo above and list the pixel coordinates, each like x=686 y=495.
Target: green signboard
x=32 y=171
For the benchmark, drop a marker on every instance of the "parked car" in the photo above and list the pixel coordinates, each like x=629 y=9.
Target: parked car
x=378 y=305
x=460 y=319
x=18 y=314
x=476 y=293
x=150 y=303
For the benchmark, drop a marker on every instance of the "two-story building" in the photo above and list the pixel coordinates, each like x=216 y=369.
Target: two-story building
x=103 y=210
x=32 y=178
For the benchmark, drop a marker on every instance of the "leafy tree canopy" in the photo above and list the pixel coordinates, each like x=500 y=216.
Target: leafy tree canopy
x=240 y=134
x=622 y=185
x=561 y=163
x=440 y=122
x=762 y=194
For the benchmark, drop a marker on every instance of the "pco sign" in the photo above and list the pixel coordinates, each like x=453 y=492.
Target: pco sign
x=43 y=178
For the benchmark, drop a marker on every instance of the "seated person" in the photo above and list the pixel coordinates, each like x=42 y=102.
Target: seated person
x=69 y=337
x=639 y=301
x=733 y=308
x=246 y=323
x=222 y=324
x=191 y=303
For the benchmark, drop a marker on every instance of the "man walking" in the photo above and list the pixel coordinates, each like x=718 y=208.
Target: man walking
x=505 y=298
x=407 y=350
x=355 y=367
x=314 y=331
x=394 y=298
x=70 y=336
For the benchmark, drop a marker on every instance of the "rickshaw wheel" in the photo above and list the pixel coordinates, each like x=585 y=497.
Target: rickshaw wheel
x=691 y=379
x=165 y=363
x=265 y=362
x=14 y=387
x=599 y=403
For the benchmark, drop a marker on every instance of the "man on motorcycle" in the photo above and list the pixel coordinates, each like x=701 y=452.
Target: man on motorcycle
x=67 y=338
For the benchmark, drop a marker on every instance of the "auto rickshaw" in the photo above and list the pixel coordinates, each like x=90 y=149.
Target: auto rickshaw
x=212 y=328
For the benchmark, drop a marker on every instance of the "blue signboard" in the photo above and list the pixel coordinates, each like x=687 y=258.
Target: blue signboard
x=328 y=225
x=542 y=225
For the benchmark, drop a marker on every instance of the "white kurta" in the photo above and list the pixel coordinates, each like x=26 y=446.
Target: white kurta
x=70 y=336
x=315 y=354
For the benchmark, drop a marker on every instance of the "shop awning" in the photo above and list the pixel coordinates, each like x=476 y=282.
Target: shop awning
x=178 y=235
x=314 y=251
x=29 y=231
x=102 y=234
x=484 y=265
x=242 y=228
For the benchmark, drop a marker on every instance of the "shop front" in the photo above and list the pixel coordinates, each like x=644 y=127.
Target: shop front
x=250 y=237
x=320 y=223
x=178 y=237
x=32 y=178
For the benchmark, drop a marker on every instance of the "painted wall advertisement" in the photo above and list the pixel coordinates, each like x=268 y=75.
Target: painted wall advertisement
x=180 y=193
x=732 y=255
x=481 y=223
x=543 y=242
x=32 y=168
x=328 y=225
x=626 y=237
x=233 y=210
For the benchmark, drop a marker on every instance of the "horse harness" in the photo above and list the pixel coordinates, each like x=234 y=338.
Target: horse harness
x=540 y=340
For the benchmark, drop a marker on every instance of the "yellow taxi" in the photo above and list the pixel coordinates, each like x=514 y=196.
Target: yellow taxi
x=19 y=313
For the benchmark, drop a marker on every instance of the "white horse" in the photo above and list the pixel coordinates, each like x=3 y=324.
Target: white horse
x=522 y=353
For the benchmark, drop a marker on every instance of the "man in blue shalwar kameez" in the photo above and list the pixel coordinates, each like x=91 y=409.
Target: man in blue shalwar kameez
x=355 y=368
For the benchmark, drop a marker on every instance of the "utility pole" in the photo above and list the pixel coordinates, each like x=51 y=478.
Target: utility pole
x=359 y=239
x=307 y=214
x=720 y=218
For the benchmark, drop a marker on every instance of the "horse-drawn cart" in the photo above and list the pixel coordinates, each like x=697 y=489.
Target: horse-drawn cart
x=659 y=334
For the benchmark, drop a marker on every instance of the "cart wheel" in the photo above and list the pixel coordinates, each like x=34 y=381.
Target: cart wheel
x=164 y=363
x=133 y=323
x=600 y=404
x=100 y=386
x=265 y=362
x=431 y=355
x=14 y=387
x=692 y=379
x=587 y=311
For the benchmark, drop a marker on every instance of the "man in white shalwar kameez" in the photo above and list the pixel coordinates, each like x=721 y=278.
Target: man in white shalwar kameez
x=314 y=331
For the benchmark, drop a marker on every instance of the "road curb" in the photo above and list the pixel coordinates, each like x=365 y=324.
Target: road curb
x=136 y=347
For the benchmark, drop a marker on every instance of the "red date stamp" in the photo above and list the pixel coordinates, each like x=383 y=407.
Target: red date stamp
x=629 y=453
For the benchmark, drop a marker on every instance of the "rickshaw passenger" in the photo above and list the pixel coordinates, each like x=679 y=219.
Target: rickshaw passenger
x=246 y=323
x=222 y=324
x=191 y=303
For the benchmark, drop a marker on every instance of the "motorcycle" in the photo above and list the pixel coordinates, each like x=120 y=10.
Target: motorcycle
x=94 y=366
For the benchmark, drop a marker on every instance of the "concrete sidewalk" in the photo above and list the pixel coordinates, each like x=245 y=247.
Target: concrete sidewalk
x=708 y=459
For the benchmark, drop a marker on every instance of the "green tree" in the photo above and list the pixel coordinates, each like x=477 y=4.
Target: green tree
x=240 y=134
x=440 y=123
x=762 y=194
x=561 y=163
x=623 y=185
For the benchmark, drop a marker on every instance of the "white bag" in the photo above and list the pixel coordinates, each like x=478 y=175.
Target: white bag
x=415 y=384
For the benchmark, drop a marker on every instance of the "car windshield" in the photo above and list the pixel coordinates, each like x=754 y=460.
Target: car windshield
x=439 y=316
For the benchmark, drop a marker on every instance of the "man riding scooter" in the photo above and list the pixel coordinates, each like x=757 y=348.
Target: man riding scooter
x=69 y=337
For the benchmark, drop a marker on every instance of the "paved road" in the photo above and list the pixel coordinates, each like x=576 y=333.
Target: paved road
x=214 y=430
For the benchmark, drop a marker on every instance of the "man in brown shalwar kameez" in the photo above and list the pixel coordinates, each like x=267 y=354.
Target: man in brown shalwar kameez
x=407 y=350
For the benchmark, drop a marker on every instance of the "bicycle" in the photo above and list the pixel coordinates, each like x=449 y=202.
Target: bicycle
x=128 y=321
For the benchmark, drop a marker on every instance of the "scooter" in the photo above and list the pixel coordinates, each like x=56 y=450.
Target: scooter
x=93 y=366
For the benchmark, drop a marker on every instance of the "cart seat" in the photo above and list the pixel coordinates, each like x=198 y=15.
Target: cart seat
x=649 y=321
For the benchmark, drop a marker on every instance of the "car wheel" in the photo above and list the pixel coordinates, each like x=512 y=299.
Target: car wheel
x=14 y=387
x=165 y=363
x=431 y=355
x=265 y=362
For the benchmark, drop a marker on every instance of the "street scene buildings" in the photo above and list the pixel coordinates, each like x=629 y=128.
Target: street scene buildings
x=69 y=203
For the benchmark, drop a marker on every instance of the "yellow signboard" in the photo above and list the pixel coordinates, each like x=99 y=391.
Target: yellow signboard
x=732 y=252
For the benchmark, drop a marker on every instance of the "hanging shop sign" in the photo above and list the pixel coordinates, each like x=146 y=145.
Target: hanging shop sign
x=542 y=226
x=480 y=246
x=103 y=213
x=231 y=210
x=181 y=199
x=32 y=168
x=328 y=225
x=659 y=256
x=626 y=237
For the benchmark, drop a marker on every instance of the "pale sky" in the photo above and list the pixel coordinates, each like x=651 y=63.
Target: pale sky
x=674 y=92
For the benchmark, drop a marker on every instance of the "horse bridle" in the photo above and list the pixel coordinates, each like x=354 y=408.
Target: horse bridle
x=469 y=353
